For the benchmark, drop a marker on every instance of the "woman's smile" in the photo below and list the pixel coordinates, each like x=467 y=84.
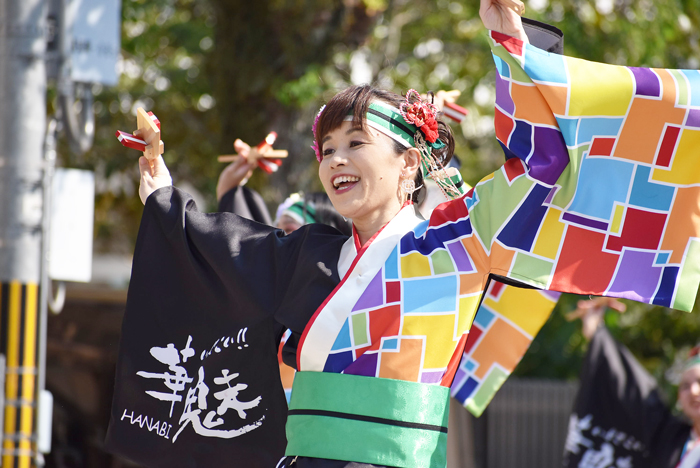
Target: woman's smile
x=343 y=182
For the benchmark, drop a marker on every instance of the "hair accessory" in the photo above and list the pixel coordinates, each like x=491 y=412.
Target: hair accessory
x=315 y=146
x=421 y=114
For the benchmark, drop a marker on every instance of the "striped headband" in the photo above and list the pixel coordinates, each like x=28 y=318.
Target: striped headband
x=388 y=120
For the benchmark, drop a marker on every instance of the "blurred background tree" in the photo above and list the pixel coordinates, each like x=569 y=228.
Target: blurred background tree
x=216 y=70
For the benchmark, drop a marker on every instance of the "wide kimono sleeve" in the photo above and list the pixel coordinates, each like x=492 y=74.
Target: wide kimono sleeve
x=601 y=190
x=619 y=415
x=197 y=379
x=246 y=203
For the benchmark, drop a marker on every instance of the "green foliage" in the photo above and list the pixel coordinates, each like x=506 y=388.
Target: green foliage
x=299 y=92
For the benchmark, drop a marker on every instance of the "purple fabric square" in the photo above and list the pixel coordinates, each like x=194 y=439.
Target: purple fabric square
x=431 y=377
x=364 y=365
x=549 y=157
x=693 y=118
x=503 y=98
x=647 y=82
x=373 y=295
x=637 y=278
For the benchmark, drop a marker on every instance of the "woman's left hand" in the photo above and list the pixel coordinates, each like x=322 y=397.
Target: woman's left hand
x=154 y=175
x=501 y=16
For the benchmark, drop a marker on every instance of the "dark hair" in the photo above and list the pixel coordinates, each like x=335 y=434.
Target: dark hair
x=355 y=100
x=325 y=213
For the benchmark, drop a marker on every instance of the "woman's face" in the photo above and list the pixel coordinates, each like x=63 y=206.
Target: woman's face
x=361 y=172
x=689 y=393
x=288 y=224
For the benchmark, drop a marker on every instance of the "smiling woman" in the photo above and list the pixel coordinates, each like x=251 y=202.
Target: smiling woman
x=379 y=321
x=367 y=151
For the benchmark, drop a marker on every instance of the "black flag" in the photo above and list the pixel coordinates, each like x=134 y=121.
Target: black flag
x=620 y=419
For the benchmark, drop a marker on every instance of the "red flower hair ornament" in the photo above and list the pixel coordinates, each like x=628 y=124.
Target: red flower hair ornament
x=421 y=114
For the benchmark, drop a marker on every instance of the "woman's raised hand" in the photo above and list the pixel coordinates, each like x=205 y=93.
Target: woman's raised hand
x=154 y=175
x=236 y=173
x=503 y=16
x=591 y=313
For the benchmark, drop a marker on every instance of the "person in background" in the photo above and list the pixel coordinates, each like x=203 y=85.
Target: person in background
x=296 y=211
x=620 y=418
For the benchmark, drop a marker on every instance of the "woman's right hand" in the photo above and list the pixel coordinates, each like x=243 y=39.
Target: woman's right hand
x=501 y=16
x=154 y=175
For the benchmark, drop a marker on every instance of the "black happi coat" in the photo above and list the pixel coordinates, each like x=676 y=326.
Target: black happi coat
x=619 y=417
x=210 y=296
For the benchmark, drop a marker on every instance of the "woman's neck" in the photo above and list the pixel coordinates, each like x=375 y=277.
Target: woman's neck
x=368 y=226
x=696 y=430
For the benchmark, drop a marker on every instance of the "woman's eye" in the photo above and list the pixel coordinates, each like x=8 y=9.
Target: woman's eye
x=328 y=152
x=355 y=143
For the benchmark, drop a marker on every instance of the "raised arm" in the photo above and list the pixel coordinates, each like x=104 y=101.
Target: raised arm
x=237 y=172
x=600 y=191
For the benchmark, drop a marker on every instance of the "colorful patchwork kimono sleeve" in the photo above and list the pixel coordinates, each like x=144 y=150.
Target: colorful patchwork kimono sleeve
x=507 y=321
x=601 y=190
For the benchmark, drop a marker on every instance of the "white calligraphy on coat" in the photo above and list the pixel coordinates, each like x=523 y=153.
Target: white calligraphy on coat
x=205 y=422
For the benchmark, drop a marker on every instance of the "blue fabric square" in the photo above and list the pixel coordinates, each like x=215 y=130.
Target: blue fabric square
x=648 y=194
x=694 y=79
x=466 y=390
x=338 y=362
x=391 y=267
x=431 y=295
x=343 y=339
x=597 y=127
x=661 y=258
x=484 y=317
x=421 y=228
x=391 y=343
x=502 y=67
x=568 y=129
x=545 y=67
x=602 y=183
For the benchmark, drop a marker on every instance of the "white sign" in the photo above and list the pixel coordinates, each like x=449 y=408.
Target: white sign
x=96 y=40
x=72 y=215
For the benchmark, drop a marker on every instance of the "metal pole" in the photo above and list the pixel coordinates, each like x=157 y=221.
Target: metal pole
x=22 y=132
x=45 y=281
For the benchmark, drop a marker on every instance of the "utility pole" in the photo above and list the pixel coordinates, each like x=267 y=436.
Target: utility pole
x=22 y=131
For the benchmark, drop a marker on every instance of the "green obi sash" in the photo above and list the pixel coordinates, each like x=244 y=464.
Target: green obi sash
x=368 y=420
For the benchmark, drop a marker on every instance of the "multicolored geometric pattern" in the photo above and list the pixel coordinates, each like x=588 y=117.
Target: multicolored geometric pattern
x=600 y=195
x=612 y=172
x=505 y=325
x=408 y=322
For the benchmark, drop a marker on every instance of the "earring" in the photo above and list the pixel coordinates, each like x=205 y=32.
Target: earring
x=408 y=186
